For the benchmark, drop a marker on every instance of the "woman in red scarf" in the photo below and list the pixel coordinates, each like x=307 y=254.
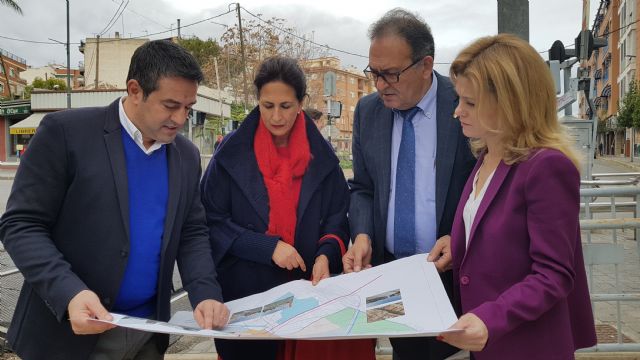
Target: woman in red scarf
x=276 y=202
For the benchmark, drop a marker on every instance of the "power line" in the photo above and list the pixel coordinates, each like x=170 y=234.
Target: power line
x=145 y=17
x=102 y=41
x=327 y=46
x=116 y=19
x=30 y=41
x=301 y=38
x=104 y=30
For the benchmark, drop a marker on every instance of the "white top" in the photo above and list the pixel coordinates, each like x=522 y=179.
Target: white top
x=133 y=131
x=473 y=203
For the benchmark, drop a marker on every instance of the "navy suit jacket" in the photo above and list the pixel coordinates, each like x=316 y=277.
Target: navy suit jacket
x=237 y=205
x=372 y=131
x=67 y=229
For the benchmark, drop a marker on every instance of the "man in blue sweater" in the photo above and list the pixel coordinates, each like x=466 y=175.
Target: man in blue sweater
x=103 y=204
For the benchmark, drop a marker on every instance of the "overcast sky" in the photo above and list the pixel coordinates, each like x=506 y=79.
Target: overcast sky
x=338 y=24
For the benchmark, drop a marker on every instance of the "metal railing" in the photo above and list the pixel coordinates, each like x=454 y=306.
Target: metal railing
x=602 y=251
x=598 y=251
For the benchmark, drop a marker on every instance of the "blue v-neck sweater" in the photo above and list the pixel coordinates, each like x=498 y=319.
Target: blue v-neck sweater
x=148 y=185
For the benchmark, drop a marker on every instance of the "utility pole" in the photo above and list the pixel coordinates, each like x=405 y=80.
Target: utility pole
x=95 y=84
x=513 y=18
x=244 y=60
x=179 y=29
x=215 y=63
x=68 y=63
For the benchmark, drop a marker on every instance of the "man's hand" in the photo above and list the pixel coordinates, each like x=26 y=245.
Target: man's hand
x=320 y=269
x=85 y=307
x=287 y=257
x=440 y=255
x=473 y=337
x=211 y=314
x=359 y=254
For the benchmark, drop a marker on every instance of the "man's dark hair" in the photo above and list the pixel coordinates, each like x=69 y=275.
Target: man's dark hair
x=280 y=68
x=408 y=26
x=314 y=114
x=162 y=58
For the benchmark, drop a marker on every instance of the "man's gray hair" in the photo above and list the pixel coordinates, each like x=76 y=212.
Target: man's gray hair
x=409 y=26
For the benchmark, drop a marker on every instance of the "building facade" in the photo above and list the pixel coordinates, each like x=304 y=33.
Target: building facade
x=627 y=46
x=106 y=61
x=53 y=71
x=12 y=142
x=351 y=85
x=605 y=70
x=11 y=85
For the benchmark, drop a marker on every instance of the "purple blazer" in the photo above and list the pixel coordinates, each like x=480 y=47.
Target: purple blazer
x=523 y=271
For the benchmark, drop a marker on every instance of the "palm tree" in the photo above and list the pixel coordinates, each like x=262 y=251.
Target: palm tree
x=12 y=4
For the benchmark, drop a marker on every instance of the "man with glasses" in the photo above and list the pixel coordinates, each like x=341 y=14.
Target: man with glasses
x=410 y=161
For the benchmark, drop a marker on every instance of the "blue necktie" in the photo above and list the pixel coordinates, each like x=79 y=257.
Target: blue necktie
x=404 y=220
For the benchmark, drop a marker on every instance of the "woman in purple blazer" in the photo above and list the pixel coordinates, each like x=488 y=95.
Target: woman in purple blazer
x=517 y=256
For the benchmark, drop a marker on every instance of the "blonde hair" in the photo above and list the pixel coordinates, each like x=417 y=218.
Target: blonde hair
x=508 y=73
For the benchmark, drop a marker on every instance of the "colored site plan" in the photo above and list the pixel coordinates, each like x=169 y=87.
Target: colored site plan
x=397 y=299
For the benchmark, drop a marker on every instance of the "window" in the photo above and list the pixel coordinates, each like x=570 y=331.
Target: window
x=352 y=80
x=314 y=76
x=12 y=72
x=353 y=95
x=1 y=70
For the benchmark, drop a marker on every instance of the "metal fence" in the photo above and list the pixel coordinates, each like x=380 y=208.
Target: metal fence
x=610 y=229
x=610 y=226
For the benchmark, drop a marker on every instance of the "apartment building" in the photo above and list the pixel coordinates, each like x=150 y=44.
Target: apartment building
x=351 y=85
x=106 y=61
x=11 y=85
x=605 y=70
x=56 y=71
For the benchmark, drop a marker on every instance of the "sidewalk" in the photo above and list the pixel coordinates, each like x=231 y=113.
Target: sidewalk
x=634 y=166
x=7 y=174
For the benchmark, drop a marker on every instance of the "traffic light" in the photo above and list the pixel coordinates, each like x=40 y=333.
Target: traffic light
x=587 y=44
x=584 y=45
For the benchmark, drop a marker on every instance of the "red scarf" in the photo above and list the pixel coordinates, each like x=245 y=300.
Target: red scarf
x=282 y=170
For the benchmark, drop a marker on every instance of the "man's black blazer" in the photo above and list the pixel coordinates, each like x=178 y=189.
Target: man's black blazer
x=67 y=229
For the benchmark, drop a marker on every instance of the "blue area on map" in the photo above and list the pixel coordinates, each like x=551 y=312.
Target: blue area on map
x=298 y=307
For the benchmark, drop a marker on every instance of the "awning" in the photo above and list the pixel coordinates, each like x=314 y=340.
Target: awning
x=606 y=92
x=598 y=74
x=27 y=126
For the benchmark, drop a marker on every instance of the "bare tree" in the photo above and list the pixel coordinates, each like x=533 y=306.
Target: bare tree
x=262 y=39
x=12 y=4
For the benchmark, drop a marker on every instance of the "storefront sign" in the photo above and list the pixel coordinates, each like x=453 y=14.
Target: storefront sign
x=15 y=110
x=22 y=131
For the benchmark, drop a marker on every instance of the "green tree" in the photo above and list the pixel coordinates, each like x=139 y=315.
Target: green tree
x=49 y=84
x=237 y=112
x=629 y=113
x=12 y=4
x=204 y=51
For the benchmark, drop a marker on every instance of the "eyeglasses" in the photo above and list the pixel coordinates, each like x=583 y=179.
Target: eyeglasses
x=388 y=77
